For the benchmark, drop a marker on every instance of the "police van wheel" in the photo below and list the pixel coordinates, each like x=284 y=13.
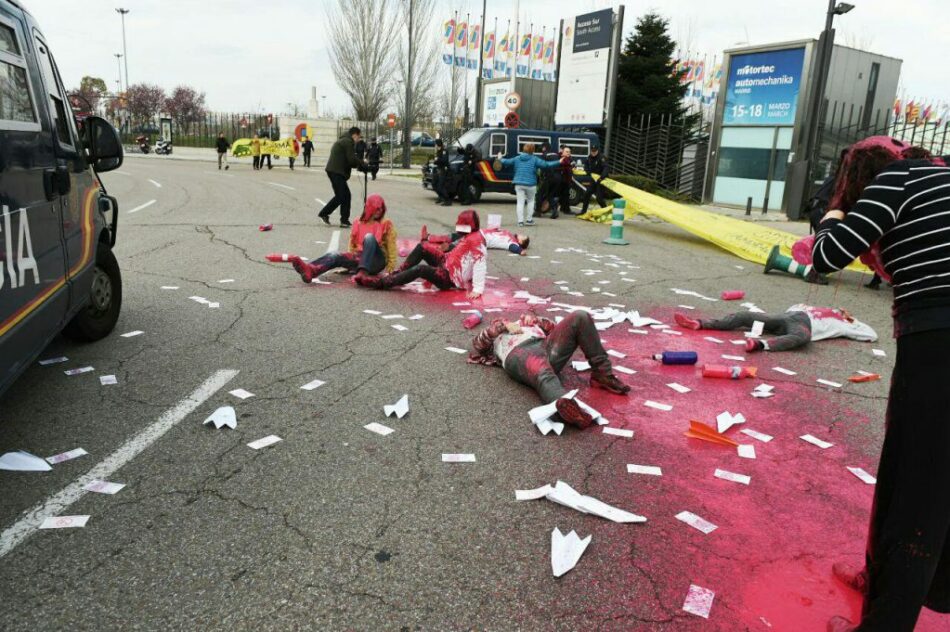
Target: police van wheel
x=98 y=319
x=574 y=198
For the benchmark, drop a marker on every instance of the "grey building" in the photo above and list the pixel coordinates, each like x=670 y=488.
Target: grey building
x=758 y=138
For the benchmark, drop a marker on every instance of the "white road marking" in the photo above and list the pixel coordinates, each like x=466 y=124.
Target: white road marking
x=282 y=186
x=220 y=173
x=141 y=206
x=57 y=503
x=155 y=183
x=320 y=201
x=334 y=242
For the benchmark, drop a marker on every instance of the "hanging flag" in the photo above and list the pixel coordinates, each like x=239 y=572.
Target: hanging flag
x=524 y=55
x=448 y=40
x=698 y=71
x=501 y=57
x=548 y=73
x=537 y=57
x=461 y=43
x=488 y=53
x=474 y=46
x=897 y=108
x=688 y=77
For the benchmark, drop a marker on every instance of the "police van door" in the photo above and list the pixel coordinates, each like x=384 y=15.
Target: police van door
x=33 y=298
x=74 y=183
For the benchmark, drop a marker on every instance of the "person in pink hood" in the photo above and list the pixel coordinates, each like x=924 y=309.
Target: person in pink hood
x=372 y=247
x=464 y=267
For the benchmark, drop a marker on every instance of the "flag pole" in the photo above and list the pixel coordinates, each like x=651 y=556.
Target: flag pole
x=478 y=76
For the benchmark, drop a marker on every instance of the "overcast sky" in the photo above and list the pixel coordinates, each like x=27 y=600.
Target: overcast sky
x=253 y=55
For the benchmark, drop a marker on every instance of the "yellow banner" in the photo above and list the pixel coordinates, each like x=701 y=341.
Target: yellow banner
x=283 y=147
x=748 y=240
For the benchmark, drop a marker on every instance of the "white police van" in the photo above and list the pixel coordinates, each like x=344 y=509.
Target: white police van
x=57 y=270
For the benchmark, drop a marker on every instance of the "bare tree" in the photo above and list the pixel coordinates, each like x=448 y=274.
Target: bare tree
x=860 y=41
x=417 y=67
x=361 y=53
x=450 y=97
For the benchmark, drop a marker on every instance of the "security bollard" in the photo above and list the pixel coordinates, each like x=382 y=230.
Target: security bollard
x=616 y=225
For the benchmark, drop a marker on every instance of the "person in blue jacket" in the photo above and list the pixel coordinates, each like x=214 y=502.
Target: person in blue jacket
x=526 y=178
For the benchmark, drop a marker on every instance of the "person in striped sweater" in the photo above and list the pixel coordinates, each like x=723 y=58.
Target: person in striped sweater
x=895 y=215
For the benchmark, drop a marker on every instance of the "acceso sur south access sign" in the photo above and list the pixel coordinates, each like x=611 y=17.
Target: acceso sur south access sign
x=763 y=88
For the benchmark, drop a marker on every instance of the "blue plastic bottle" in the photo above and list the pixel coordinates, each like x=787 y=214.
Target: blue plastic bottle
x=677 y=357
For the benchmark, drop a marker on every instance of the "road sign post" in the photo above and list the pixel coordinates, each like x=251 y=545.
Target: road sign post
x=391 y=122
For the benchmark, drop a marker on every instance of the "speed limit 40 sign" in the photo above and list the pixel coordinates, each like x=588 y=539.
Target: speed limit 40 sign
x=512 y=101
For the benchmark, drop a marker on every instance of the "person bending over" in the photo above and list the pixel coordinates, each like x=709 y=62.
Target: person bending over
x=798 y=326
x=372 y=246
x=463 y=267
x=535 y=350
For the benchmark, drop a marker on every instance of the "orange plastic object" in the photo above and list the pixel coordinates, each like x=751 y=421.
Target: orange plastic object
x=864 y=378
x=699 y=430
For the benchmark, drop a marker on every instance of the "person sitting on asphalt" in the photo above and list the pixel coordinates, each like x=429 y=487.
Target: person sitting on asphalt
x=526 y=178
x=798 y=326
x=464 y=267
x=534 y=351
x=372 y=246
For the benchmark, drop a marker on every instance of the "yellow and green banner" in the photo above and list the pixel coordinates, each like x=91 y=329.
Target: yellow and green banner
x=283 y=147
x=751 y=241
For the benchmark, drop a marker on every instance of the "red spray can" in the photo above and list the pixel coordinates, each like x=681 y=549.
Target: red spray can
x=728 y=372
x=265 y=227
x=732 y=295
x=472 y=320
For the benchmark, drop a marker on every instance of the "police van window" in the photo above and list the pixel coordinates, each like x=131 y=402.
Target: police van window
x=499 y=144
x=8 y=40
x=537 y=140
x=58 y=106
x=580 y=147
x=16 y=103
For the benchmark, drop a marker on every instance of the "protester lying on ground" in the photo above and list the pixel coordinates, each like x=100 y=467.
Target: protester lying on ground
x=464 y=267
x=372 y=246
x=798 y=326
x=534 y=350
x=896 y=217
x=495 y=239
x=498 y=239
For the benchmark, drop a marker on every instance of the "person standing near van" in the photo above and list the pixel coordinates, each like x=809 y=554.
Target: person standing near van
x=340 y=164
x=307 y=147
x=221 y=144
x=256 y=151
x=374 y=156
x=596 y=167
x=441 y=174
x=526 y=166
x=565 y=171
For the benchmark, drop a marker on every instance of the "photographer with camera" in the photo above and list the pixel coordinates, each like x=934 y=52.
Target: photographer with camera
x=340 y=164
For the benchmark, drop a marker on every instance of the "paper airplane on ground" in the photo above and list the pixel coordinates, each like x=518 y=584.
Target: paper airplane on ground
x=224 y=416
x=699 y=430
x=399 y=409
x=566 y=550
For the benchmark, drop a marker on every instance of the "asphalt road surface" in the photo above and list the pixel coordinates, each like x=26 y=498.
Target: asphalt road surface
x=338 y=528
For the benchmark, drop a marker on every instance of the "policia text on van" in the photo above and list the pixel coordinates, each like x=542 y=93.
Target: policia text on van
x=57 y=270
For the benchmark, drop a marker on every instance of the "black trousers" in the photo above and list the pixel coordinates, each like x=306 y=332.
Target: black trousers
x=341 y=197
x=306 y=158
x=373 y=169
x=267 y=156
x=537 y=363
x=791 y=329
x=257 y=162
x=564 y=197
x=596 y=189
x=908 y=554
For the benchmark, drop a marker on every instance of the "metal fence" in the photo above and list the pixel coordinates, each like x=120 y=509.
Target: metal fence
x=666 y=149
x=845 y=124
x=204 y=131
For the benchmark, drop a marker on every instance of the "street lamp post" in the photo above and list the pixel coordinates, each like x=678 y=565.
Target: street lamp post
x=118 y=62
x=125 y=53
x=823 y=65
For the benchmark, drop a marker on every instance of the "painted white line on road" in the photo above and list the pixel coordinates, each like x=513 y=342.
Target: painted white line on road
x=334 y=242
x=155 y=183
x=56 y=504
x=282 y=186
x=320 y=201
x=220 y=173
x=141 y=206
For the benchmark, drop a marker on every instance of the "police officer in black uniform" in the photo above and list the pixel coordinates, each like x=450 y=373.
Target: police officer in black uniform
x=374 y=156
x=440 y=176
x=596 y=167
